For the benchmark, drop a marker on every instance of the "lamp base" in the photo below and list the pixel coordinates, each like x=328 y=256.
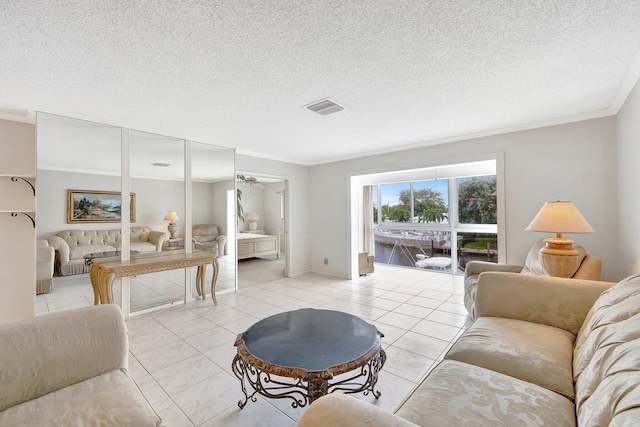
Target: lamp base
x=253 y=225
x=172 y=228
x=559 y=258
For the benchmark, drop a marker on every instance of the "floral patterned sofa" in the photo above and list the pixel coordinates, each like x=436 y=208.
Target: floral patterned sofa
x=542 y=351
x=72 y=245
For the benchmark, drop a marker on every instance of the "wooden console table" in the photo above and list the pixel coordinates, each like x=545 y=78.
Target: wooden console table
x=105 y=270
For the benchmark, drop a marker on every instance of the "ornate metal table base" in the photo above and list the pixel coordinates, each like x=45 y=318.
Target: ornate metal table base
x=304 y=389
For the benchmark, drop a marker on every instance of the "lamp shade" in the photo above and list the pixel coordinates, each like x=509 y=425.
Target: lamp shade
x=171 y=216
x=560 y=217
x=252 y=216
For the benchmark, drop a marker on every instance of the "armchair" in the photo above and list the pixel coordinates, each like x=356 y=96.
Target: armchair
x=45 y=256
x=70 y=368
x=590 y=269
x=207 y=237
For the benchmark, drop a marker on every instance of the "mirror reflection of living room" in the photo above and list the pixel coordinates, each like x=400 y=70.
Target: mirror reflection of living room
x=79 y=155
x=261 y=243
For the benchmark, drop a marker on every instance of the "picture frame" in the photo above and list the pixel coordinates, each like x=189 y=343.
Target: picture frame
x=88 y=206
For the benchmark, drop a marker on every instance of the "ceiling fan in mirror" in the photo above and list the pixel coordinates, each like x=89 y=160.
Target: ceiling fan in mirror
x=251 y=180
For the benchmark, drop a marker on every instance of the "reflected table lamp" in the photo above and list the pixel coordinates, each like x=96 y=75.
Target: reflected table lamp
x=171 y=216
x=252 y=220
x=559 y=258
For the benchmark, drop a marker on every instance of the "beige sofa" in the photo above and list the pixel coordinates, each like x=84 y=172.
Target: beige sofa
x=72 y=245
x=45 y=256
x=542 y=351
x=70 y=369
x=590 y=269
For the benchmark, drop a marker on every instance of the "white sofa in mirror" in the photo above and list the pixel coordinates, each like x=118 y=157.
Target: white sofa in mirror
x=72 y=246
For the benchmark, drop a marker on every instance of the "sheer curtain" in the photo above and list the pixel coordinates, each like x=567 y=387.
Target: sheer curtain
x=367 y=220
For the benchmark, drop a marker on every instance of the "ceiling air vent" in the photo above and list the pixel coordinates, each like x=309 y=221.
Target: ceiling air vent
x=325 y=106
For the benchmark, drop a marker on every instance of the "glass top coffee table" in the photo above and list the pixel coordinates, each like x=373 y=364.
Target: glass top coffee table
x=88 y=259
x=297 y=355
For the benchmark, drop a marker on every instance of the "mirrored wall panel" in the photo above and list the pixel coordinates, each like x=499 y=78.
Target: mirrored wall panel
x=78 y=202
x=214 y=210
x=157 y=178
x=79 y=209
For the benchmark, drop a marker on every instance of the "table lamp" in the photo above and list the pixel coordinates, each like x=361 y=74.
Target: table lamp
x=252 y=220
x=559 y=258
x=172 y=227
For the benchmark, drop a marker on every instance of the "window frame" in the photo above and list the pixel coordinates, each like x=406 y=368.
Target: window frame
x=453 y=225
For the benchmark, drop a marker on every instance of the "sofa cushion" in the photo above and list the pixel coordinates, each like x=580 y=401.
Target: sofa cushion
x=617 y=304
x=111 y=399
x=470 y=286
x=47 y=353
x=139 y=234
x=533 y=265
x=608 y=388
x=457 y=393
x=532 y=352
x=143 y=247
x=607 y=337
x=90 y=237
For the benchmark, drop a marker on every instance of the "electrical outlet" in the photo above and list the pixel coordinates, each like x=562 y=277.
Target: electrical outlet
x=326 y=261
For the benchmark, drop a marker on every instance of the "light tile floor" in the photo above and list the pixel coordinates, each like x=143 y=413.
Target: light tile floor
x=180 y=357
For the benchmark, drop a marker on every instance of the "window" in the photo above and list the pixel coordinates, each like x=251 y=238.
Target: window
x=374 y=196
x=477 y=200
x=446 y=212
x=281 y=193
x=477 y=247
x=396 y=199
x=430 y=201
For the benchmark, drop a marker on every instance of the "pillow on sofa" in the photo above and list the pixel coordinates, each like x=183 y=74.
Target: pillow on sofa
x=533 y=265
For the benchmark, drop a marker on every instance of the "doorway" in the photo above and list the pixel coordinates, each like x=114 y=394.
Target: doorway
x=262 y=224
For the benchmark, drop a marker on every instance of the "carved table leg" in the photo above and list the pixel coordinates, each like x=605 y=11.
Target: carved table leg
x=216 y=270
x=200 y=280
x=104 y=283
x=94 y=284
x=108 y=289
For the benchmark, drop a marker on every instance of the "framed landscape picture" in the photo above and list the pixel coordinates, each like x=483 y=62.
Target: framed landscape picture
x=96 y=206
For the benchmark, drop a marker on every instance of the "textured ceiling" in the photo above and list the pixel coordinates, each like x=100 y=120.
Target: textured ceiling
x=239 y=73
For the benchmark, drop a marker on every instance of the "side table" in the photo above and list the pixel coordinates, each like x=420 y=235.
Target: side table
x=173 y=244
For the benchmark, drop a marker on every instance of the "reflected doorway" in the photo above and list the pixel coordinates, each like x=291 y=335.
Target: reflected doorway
x=262 y=228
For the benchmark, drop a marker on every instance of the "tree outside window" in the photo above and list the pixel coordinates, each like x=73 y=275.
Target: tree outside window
x=477 y=200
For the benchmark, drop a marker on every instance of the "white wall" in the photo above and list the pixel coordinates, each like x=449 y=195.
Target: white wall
x=154 y=198
x=628 y=127
x=574 y=162
x=299 y=219
x=18 y=251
